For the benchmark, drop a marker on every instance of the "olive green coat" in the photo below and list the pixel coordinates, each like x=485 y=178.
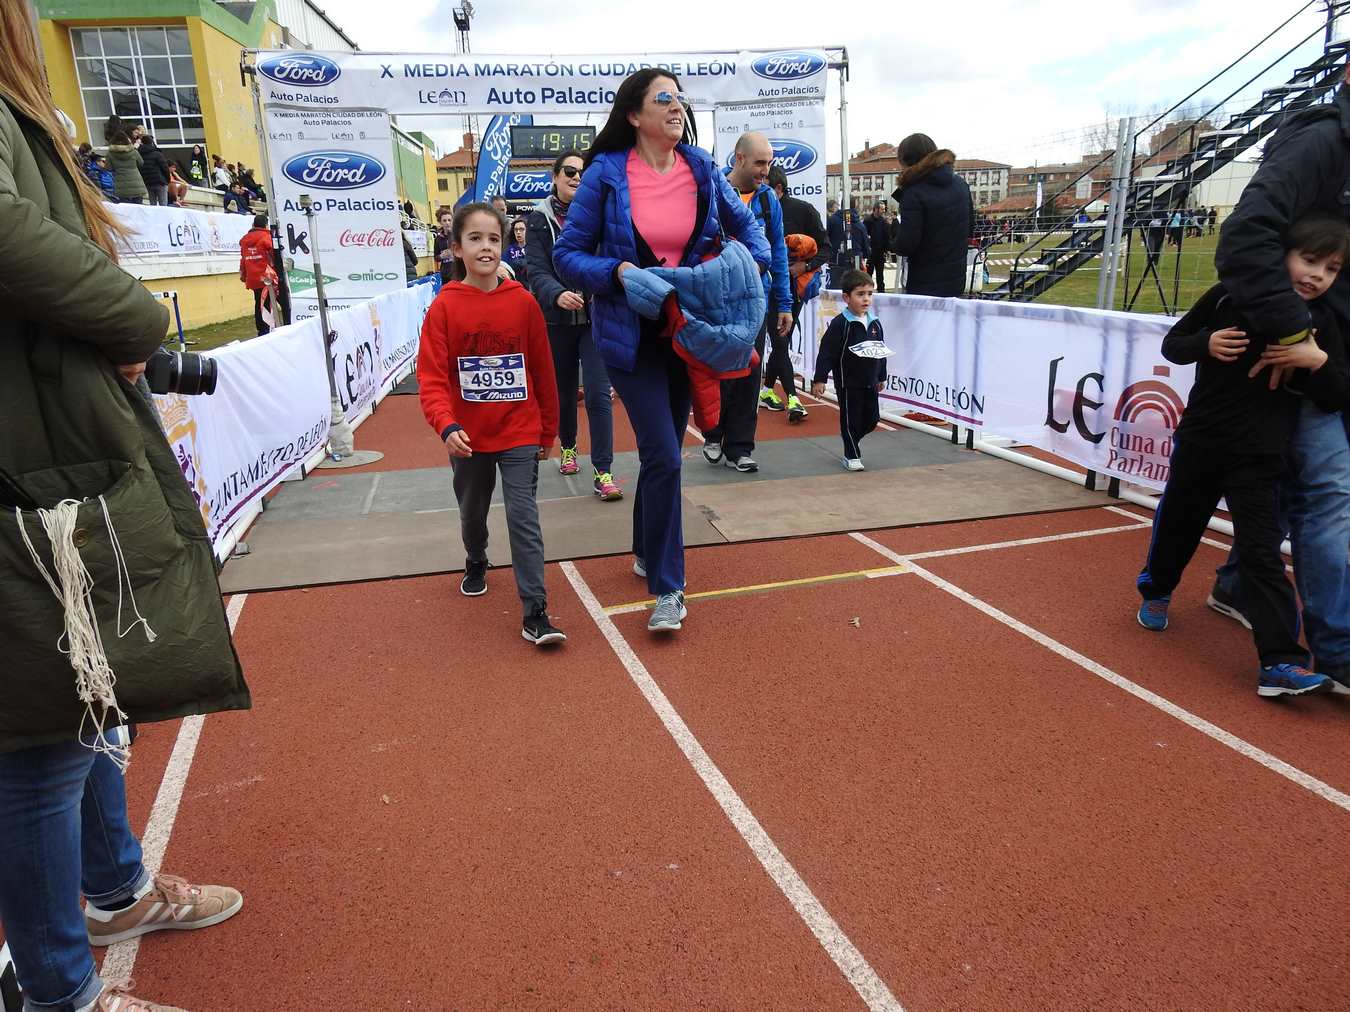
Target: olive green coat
x=72 y=428
x=125 y=162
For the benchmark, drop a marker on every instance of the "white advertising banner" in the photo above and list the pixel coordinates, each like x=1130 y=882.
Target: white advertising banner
x=797 y=132
x=417 y=238
x=409 y=83
x=376 y=344
x=342 y=158
x=1087 y=385
x=161 y=231
x=269 y=412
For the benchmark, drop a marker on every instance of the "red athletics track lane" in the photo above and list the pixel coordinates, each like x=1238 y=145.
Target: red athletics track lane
x=996 y=829
x=543 y=843
x=1082 y=593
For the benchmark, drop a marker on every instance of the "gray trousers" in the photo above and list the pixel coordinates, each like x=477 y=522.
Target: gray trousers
x=475 y=480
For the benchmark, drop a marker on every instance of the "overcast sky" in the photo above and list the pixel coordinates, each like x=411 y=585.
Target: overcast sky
x=1007 y=80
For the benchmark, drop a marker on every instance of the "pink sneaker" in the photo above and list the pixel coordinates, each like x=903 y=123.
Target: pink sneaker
x=568 y=464
x=169 y=904
x=605 y=487
x=116 y=999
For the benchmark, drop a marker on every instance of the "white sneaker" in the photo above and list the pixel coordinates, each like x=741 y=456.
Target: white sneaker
x=669 y=613
x=639 y=567
x=853 y=464
x=712 y=451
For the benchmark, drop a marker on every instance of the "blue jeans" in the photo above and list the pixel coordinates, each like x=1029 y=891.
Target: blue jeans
x=571 y=345
x=656 y=396
x=1315 y=502
x=63 y=833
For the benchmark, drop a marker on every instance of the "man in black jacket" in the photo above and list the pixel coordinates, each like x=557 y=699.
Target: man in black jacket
x=845 y=254
x=799 y=218
x=1305 y=170
x=878 y=245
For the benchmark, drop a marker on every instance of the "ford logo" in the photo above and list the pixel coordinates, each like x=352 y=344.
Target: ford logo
x=788 y=66
x=529 y=184
x=333 y=170
x=301 y=69
x=793 y=156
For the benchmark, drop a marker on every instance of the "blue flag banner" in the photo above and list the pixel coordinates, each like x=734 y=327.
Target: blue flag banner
x=495 y=156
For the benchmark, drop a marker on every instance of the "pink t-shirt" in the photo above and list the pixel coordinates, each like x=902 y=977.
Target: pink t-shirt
x=664 y=205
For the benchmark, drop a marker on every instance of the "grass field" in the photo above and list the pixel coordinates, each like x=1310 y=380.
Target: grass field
x=1192 y=272
x=215 y=335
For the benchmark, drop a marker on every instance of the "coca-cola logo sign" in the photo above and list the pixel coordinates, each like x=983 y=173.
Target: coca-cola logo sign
x=370 y=239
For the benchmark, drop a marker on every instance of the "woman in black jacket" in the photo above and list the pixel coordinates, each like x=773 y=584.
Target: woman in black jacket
x=569 y=333
x=155 y=171
x=937 y=218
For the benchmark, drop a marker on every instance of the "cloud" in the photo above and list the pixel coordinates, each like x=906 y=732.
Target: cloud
x=1014 y=82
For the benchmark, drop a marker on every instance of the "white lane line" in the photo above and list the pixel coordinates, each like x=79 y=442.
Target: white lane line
x=870 y=987
x=1204 y=541
x=1045 y=539
x=120 y=959
x=1244 y=748
x=370 y=496
x=695 y=433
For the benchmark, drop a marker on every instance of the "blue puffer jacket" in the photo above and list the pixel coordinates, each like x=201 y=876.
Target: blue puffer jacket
x=769 y=213
x=722 y=302
x=599 y=236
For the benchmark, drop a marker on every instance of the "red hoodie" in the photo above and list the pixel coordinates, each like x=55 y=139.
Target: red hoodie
x=485 y=366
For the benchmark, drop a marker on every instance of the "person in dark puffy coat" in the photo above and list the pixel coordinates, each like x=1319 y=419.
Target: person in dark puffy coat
x=937 y=218
x=154 y=171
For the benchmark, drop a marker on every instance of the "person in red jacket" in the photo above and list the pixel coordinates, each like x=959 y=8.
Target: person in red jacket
x=485 y=372
x=255 y=264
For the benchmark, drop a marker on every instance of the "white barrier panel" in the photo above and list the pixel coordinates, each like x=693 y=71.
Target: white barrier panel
x=1087 y=385
x=156 y=231
x=417 y=238
x=270 y=411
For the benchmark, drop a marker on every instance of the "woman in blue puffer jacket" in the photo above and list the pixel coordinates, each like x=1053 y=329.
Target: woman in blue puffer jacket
x=648 y=198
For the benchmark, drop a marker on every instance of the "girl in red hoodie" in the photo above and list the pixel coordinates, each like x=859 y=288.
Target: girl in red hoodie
x=486 y=376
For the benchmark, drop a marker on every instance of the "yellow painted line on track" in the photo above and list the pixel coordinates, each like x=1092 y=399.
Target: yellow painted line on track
x=757 y=588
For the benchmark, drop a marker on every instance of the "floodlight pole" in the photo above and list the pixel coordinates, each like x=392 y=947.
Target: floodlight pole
x=845 y=201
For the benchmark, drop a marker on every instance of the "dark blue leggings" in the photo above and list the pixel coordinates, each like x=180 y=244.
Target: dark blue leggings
x=656 y=397
x=572 y=344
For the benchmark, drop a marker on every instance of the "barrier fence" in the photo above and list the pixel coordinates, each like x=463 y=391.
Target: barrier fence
x=269 y=417
x=1090 y=386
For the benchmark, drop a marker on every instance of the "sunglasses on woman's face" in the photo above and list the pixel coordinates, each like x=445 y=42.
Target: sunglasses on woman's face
x=666 y=97
x=571 y=171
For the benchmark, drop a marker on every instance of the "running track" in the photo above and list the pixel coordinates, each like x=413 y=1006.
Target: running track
x=929 y=768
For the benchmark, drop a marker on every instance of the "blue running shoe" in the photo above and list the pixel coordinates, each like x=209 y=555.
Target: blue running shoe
x=1153 y=614
x=1290 y=680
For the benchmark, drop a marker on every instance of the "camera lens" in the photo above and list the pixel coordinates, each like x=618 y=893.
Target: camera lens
x=181 y=372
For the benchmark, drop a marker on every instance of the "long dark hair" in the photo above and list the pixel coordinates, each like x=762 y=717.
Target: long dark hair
x=458 y=272
x=618 y=134
x=914 y=149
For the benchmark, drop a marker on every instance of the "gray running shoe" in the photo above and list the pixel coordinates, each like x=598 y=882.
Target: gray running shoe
x=712 y=451
x=669 y=613
x=639 y=567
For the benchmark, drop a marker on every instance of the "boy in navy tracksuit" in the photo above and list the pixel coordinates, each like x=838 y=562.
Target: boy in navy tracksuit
x=1230 y=443
x=853 y=349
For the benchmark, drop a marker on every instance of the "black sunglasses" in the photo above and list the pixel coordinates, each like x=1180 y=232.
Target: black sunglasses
x=571 y=171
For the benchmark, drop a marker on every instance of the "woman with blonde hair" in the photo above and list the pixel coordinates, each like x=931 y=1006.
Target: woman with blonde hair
x=93 y=510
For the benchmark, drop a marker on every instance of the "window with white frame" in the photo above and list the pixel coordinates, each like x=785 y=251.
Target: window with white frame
x=142 y=74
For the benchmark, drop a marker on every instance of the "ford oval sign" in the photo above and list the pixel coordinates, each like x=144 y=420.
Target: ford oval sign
x=788 y=66
x=300 y=69
x=793 y=156
x=333 y=170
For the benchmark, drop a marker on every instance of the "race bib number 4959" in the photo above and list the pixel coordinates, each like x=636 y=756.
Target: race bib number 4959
x=493 y=378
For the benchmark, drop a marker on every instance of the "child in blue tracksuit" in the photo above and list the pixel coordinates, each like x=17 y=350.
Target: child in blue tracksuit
x=853 y=347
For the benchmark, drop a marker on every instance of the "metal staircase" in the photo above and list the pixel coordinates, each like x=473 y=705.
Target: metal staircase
x=1038 y=267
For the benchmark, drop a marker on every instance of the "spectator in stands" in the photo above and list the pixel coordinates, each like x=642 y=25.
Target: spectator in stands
x=197 y=170
x=441 y=242
x=76 y=332
x=878 y=244
x=645 y=178
x=800 y=218
x=575 y=357
x=251 y=185
x=1213 y=216
x=154 y=171
x=126 y=169
x=255 y=267
x=1302 y=172
x=515 y=252
x=220 y=175
x=178 y=186
x=236 y=201
x=937 y=218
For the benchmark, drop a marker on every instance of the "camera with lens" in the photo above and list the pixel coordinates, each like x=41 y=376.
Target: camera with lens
x=181 y=372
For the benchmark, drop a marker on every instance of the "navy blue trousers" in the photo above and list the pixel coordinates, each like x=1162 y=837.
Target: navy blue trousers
x=656 y=396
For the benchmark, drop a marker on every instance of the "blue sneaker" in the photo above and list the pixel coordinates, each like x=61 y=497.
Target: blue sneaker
x=1290 y=680
x=1153 y=613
